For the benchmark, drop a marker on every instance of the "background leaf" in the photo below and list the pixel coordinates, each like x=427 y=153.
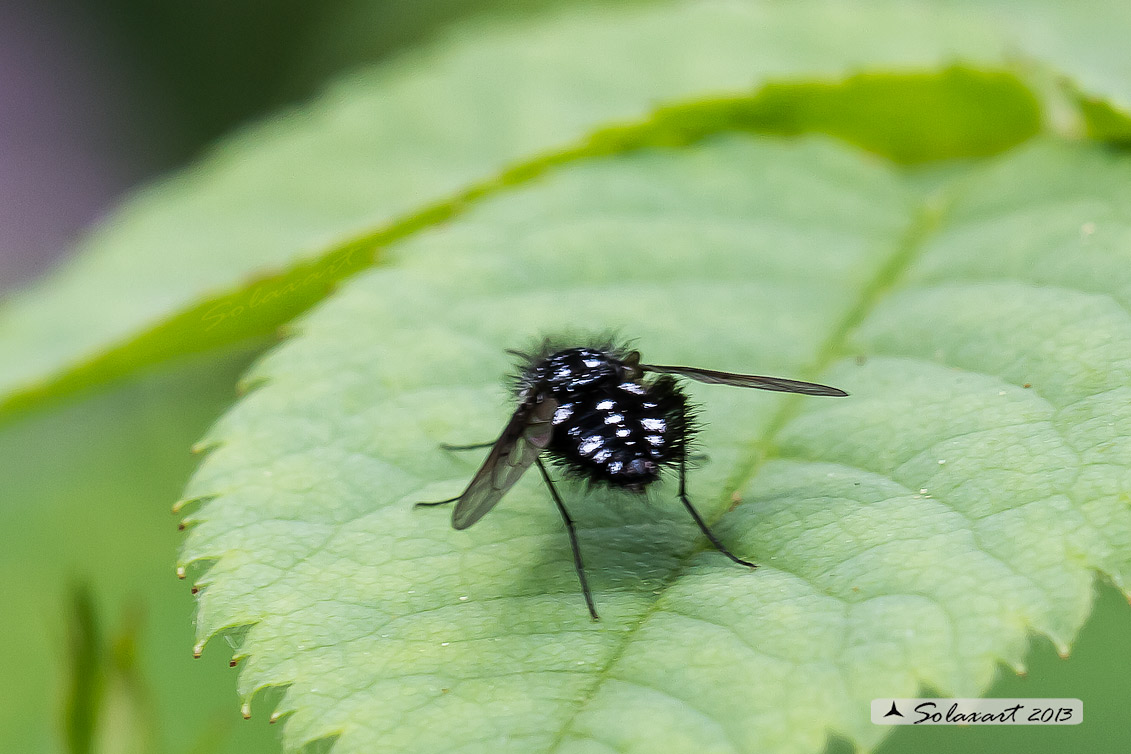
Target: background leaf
x=1082 y=41
x=384 y=146
x=911 y=534
x=264 y=226
x=896 y=115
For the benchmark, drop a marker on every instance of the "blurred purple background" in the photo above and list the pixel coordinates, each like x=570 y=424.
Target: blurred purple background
x=73 y=125
x=97 y=95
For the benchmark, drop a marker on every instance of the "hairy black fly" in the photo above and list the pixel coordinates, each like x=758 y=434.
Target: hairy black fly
x=595 y=412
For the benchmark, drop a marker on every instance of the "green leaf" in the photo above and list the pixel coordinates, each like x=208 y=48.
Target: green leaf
x=1084 y=41
x=909 y=117
x=109 y=710
x=914 y=533
x=265 y=225
x=1103 y=121
x=87 y=675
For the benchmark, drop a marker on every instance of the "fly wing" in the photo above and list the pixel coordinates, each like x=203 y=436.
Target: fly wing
x=526 y=435
x=747 y=380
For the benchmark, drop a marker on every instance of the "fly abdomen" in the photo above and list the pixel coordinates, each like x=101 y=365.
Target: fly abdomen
x=622 y=435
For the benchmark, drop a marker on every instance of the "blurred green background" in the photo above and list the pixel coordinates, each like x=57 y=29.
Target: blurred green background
x=97 y=96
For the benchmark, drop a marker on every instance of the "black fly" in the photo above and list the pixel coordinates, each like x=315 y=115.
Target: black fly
x=593 y=411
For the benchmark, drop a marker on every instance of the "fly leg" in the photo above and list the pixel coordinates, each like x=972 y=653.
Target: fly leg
x=446 y=446
x=699 y=519
x=577 y=564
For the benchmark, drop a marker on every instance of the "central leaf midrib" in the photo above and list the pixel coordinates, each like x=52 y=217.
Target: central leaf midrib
x=926 y=217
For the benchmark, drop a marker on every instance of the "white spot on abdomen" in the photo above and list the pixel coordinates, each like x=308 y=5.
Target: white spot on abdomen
x=588 y=445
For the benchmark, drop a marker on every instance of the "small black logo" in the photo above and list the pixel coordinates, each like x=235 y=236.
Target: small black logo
x=894 y=711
